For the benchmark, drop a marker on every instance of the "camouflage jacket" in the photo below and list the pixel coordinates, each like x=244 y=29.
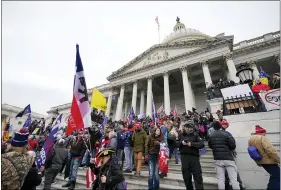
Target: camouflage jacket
x=14 y=168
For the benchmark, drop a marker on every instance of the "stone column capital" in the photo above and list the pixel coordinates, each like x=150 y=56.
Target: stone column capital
x=149 y=77
x=122 y=86
x=135 y=82
x=228 y=56
x=204 y=63
x=252 y=63
x=166 y=74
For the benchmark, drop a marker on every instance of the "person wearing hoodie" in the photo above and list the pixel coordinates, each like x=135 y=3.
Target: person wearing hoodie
x=138 y=140
x=54 y=163
x=189 y=145
x=16 y=162
x=152 y=148
x=33 y=177
x=270 y=159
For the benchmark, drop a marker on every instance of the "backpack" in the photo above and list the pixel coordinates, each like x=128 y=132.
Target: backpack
x=254 y=152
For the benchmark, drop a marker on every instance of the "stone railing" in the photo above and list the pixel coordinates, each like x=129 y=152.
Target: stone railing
x=257 y=40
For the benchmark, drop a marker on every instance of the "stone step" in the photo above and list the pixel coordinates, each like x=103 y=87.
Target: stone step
x=210 y=182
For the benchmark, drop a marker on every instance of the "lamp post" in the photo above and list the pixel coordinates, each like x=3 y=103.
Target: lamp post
x=245 y=74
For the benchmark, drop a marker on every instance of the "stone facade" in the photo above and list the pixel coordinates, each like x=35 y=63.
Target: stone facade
x=175 y=72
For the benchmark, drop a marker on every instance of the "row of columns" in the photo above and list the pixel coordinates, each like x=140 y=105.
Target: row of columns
x=189 y=97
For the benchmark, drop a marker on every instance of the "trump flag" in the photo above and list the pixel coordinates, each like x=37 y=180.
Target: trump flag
x=49 y=143
x=80 y=108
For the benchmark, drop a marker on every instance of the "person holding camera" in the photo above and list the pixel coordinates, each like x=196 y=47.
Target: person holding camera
x=189 y=145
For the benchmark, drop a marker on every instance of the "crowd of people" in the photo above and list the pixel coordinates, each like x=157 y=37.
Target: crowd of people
x=107 y=144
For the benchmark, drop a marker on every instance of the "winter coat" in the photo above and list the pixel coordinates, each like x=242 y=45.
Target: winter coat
x=150 y=146
x=78 y=148
x=121 y=140
x=58 y=157
x=32 y=179
x=113 y=173
x=196 y=144
x=95 y=136
x=172 y=138
x=164 y=131
x=14 y=167
x=113 y=143
x=274 y=84
x=266 y=149
x=128 y=135
x=222 y=145
x=139 y=139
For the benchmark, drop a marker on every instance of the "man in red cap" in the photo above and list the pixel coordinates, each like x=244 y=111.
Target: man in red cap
x=269 y=157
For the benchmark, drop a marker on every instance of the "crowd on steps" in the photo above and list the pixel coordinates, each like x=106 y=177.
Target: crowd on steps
x=109 y=149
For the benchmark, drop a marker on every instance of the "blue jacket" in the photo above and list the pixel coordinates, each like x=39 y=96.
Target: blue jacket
x=127 y=135
x=120 y=140
x=164 y=131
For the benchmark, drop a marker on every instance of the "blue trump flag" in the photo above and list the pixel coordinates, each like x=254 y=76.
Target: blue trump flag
x=263 y=74
x=27 y=122
x=131 y=115
x=26 y=110
x=48 y=145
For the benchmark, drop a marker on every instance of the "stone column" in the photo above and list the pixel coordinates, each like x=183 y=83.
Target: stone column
x=188 y=94
x=277 y=58
x=149 y=97
x=118 y=114
x=109 y=101
x=206 y=71
x=256 y=73
x=134 y=96
x=231 y=67
x=126 y=108
x=142 y=101
x=167 y=105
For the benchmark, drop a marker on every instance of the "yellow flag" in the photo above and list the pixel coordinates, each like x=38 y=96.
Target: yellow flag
x=262 y=80
x=5 y=133
x=98 y=100
x=35 y=131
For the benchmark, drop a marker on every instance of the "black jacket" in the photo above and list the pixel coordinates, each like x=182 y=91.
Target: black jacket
x=196 y=144
x=32 y=179
x=78 y=148
x=222 y=145
x=113 y=172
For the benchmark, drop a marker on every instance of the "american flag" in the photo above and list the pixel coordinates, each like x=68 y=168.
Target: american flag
x=160 y=110
x=131 y=116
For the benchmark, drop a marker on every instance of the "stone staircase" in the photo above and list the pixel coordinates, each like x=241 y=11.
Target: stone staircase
x=174 y=179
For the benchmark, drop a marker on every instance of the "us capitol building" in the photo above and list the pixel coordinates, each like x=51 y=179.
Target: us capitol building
x=175 y=72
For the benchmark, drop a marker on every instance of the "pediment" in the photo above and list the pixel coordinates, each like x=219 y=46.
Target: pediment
x=160 y=53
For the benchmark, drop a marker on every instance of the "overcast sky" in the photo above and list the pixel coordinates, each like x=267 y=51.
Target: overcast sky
x=39 y=38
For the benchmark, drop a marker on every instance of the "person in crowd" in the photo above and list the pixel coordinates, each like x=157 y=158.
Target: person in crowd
x=164 y=129
x=32 y=143
x=139 y=139
x=224 y=125
x=54 y=163
x=152 y=148
x=109 y=173
x=67 y=144
x=16 y=162
x=121 y=145
x=189 y=145
x=275 y=82
x=270 y=159
x=77 y=150
x=33 y=177
x=112 y=140
x=222 y=145
x=220 y=115
x=173 y=137
x=128 y=149
x=210 y=90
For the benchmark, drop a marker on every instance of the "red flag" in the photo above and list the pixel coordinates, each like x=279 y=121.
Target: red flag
x=90 y=177
x=80 y=108
x=156 y=19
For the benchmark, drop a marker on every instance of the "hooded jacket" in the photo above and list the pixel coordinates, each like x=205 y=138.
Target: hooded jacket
x=139 y=139
x=196 y=144
x=266 y=149
x=150 y=146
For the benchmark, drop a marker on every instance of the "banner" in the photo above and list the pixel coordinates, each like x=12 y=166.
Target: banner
x=239 y=90
x=98 y=100
x=271 y=99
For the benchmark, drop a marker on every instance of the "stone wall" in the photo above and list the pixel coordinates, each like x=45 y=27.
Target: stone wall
x=241 y=127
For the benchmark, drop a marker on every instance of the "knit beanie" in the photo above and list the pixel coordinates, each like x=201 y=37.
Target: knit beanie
x=21 y=138
x=260 y=130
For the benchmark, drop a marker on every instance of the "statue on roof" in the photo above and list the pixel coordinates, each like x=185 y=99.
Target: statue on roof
x=178 y=19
